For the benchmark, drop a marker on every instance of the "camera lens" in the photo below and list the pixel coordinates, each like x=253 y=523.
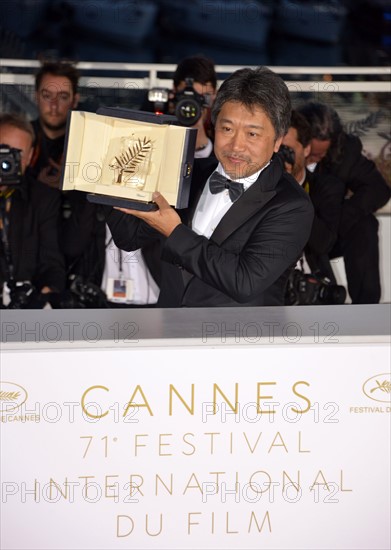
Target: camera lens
x=10 y=165
x=6 y=166
x=188 y=112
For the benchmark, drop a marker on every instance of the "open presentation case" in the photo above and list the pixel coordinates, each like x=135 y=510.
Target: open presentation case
x=120 y=157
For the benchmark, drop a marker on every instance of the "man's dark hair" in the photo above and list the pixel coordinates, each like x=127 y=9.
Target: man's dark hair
x=323 y=119
x=325 y=125
x=302 y=127
x=199 y=68
x=259 y=87
x=60 y=68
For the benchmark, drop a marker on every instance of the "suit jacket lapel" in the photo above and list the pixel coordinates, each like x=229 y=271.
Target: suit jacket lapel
x=249 y=203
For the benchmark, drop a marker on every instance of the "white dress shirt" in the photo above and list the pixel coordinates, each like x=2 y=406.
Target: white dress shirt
x=129 y=266
x=205 y=151
x=211 y=208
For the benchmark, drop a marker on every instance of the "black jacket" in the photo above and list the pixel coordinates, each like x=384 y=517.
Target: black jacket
x=327 y=196
x=82 y=236
x=33 y=236
x=245 y=260
x=366 y=189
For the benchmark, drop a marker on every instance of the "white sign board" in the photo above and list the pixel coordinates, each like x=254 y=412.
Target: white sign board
x=280 y=447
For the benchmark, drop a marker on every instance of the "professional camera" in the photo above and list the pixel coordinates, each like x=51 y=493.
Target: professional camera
x=187 y=104
x=309 y=289
x=286 y=154
x=81 y=294
x=23 y=295
x=87 y=294
x=10 y=166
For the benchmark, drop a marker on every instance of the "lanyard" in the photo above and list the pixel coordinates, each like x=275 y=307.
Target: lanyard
x=120 y=262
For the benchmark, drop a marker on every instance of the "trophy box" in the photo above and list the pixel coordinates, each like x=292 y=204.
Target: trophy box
x=120 y=157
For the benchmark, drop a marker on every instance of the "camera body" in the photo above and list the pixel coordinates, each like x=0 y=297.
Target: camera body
x=24 y=295
x=80 y=294
x=87 y=294
x=309 y=289
x=10 y=166
x=187 y=104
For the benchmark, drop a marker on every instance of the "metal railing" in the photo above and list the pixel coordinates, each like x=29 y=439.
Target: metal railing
x=123 y=84
x=144 y=76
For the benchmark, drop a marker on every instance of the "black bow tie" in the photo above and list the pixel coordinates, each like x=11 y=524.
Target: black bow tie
x=218 y=183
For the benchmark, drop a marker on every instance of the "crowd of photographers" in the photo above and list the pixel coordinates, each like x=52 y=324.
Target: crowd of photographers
x=57 y=251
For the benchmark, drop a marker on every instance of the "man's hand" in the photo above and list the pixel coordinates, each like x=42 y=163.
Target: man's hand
x=46 y=290
x=164 y=220
x=288 y=167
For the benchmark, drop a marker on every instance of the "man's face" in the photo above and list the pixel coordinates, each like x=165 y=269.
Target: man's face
x=244 y=140
x=319 y=150
x=54 y=99
x=301 y=154
x=18 y=139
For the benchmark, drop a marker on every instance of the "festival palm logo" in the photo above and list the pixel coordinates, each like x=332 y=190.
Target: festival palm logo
x=12 y=396
x=378 y=387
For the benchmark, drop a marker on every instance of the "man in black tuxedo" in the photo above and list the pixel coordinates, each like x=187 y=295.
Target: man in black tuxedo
x=247 y=220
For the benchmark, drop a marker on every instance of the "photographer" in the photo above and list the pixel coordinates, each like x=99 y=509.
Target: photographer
x=82 y=226
x=32 y=266
x=201 y=72
x=333 y=151
x=56 y=85
x=190 y=100
x=327 y=194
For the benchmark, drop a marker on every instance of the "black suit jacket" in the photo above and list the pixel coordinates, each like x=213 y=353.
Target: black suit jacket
x=245 y=260
x=364 y=184
x=327 y=195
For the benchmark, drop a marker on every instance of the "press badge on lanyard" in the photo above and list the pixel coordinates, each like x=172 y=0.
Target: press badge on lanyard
x=120 y=290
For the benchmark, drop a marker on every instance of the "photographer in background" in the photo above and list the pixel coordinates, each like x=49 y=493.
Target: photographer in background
x=82 y=226
x=137 y=275
x=31 y=266
x=56 y=85
x=327 y=194
x=190 y=100
x=340 y=154
x=199 y=73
